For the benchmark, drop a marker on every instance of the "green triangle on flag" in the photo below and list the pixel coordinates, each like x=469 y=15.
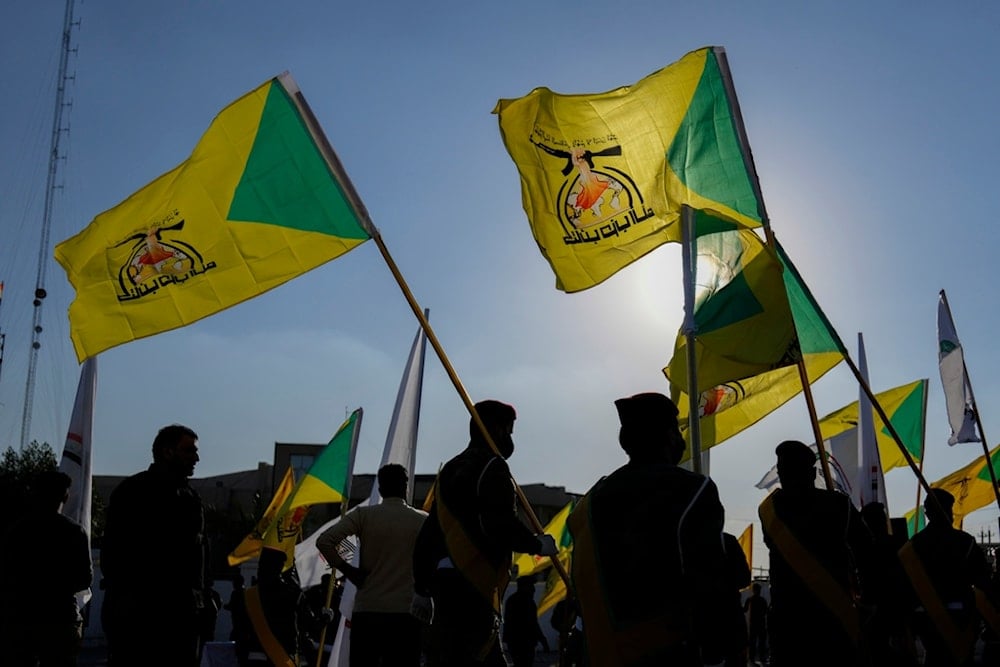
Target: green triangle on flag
x=329 y=477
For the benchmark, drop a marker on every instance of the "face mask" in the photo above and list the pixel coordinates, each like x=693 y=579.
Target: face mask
x=505 y=444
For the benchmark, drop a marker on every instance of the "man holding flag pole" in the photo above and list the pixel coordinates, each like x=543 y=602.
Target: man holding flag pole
x=462 y=557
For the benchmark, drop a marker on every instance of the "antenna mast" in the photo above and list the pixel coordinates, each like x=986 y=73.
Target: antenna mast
x=50 y=188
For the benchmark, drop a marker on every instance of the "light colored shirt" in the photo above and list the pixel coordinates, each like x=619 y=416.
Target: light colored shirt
x=386 y=533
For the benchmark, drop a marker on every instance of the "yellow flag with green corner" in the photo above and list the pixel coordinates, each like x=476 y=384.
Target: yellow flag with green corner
x=604 y=176
x=261 y=200
x=906 y=407
x=251 y=545
x=527 y=564
x=742 y=317
x=971 y=486
x=328 y=481
x=732 y=406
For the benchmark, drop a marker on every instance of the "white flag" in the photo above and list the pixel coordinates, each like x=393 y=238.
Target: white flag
x=76 y=455
x=400 y=447
x=870 y=487
x=843 y=452
x=954 y=379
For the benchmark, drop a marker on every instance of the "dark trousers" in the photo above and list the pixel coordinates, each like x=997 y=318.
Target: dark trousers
x=937 y=652
x=794 y=635
x=465 y=629
x=757 y=644
x=384 y=640
x=522 y=655
x=151 y=636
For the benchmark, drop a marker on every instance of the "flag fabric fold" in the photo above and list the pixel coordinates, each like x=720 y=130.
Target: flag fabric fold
x=743 y=323
x=732 y=406
x=251 y=545
x=603 y=176
x=328 y=481
x=261 y=200
x=954 y=378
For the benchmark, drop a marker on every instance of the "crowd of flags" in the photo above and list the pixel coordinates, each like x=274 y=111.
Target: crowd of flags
x=605 y=179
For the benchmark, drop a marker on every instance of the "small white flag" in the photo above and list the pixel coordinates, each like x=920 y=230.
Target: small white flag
x=954 y=379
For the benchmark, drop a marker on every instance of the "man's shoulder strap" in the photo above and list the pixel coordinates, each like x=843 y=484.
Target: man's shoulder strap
x=814 y=575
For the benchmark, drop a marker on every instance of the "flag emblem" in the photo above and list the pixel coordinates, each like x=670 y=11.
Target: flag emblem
x=155 y=257
x=720 y=397
x=596 y=200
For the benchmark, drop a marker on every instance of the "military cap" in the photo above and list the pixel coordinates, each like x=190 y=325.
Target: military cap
x=794 y=454
x=647 y=409
x=944 y=498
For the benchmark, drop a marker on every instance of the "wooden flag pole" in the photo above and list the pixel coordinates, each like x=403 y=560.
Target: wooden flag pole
x=975 y=411
x=464 y=394
x=923 y=454
x=824 y=458
x=337 y=169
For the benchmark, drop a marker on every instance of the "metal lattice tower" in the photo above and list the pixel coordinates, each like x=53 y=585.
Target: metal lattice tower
x=50 y=188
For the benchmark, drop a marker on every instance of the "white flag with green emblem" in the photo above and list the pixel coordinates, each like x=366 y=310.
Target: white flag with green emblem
x=954 y=379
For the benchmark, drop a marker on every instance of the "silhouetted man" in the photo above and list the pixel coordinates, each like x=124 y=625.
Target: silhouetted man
x=648 y=560
x=462 y=557
x=153 y=559
x=944 y=566
x=521 y=631
x=815 y=537
x=44 y=561
x=755 y=609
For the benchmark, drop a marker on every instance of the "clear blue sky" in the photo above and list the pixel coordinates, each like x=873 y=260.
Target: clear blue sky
x=872 y=127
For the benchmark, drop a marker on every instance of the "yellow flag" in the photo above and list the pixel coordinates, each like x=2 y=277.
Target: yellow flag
x=555 y=587
x=527 y=564
x=742 y=316
x=906 y=407
x=261 y=200
x=746 y=543
x=971 y=486
x=604 y=176
x=327 y=481
x=283 y=533
x=728 y=408
x=251 y=545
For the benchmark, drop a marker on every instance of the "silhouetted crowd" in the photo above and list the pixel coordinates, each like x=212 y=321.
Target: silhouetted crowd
x=655 y=579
